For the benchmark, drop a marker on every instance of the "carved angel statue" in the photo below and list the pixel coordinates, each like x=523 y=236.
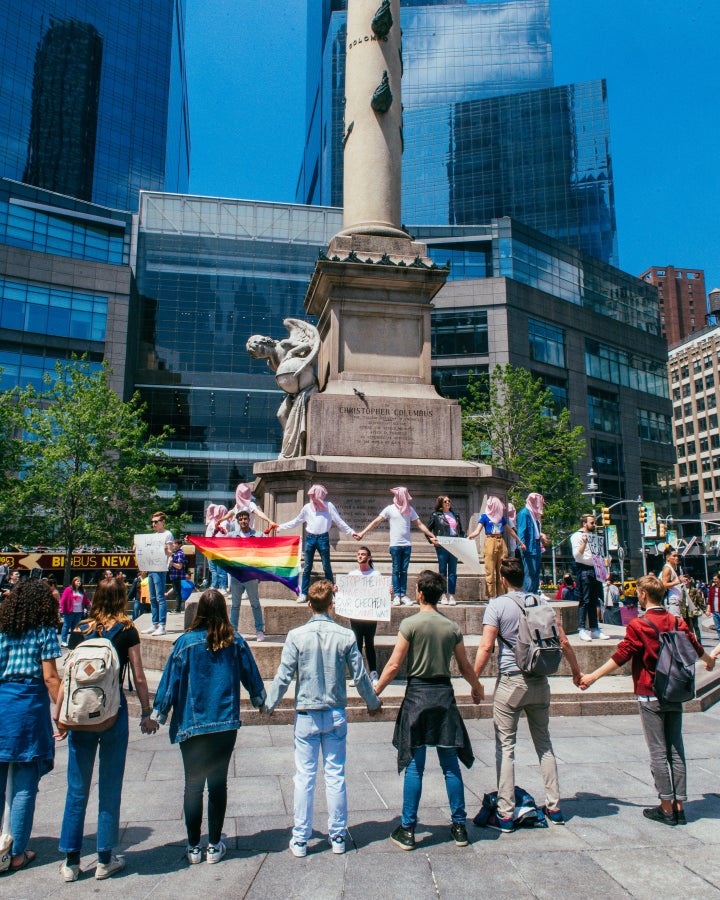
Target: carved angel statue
x=292 y=360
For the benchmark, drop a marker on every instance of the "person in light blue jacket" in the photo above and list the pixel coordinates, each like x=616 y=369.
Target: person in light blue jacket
x=201 y=684
x=320 y=653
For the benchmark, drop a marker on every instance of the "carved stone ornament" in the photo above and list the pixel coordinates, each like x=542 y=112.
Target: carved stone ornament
x=382 y=98
x=292 y=360
x=382 y=21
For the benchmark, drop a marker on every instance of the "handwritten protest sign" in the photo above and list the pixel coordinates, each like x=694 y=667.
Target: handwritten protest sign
x=465 y=550
x=363 y=597
x=150 y=552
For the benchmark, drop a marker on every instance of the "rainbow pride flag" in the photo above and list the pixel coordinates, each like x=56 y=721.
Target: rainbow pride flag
x=264 y=559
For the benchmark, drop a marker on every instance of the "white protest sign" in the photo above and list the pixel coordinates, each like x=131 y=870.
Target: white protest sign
x=465 y=550
x=363 y=597
x=150 y=552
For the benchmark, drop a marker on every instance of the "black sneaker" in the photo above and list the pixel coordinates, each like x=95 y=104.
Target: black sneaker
x=680 y=817
x=404 y=838
x=657 y=814
x=458 y=832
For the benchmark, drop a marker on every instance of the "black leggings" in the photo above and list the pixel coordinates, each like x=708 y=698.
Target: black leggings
x=206 y=757
x=365 y=631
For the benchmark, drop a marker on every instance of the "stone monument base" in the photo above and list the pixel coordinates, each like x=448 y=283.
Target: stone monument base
x=360 y=488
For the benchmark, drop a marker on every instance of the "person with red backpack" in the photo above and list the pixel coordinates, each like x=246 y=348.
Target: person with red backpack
x=661 y=718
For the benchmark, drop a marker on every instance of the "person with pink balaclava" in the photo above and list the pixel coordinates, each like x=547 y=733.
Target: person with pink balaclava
x=318 y=515
x=495 y=526
x=215 y=515
x=530 y=532
x=400 y=516
x=244 y=501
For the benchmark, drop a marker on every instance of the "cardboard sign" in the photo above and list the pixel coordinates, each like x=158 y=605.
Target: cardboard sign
x=465 y=550
x=150 y=552
x=365 y=597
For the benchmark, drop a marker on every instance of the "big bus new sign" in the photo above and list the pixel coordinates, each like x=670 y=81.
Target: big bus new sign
x=55 y=562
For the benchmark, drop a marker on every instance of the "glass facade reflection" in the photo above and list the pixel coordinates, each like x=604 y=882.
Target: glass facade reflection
x=93 y=102
x=211 y=273
x=486 y=133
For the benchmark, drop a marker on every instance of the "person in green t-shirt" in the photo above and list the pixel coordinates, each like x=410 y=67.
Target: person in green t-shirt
x=429 y=716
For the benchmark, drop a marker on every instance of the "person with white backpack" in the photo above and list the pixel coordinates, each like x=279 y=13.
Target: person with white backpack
x=530 y=642
x=29 y=646
x=92 y=710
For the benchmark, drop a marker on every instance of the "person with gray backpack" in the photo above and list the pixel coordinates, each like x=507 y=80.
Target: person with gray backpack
x=663 y=654
x=531 y=643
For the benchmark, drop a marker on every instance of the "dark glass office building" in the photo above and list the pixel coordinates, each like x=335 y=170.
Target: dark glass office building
x=486 y=133
x=93 y=99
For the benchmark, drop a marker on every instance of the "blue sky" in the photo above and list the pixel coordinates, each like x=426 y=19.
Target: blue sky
x=246 y=77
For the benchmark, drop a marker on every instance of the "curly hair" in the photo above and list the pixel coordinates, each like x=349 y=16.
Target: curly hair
x=29 y=605
x=109 y=605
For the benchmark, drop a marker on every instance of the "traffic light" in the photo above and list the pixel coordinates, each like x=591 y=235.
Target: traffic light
x=605 y=516
x=642 y=514
x=662 y=530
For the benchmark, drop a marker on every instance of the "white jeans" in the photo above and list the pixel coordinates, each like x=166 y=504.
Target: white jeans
x=316 y=728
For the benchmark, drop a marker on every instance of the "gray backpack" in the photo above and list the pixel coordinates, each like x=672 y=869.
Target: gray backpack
x=91 y=698
x=537 y=649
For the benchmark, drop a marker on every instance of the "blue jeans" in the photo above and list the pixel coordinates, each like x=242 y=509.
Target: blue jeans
x=412 y=788
x=25 y=779
x=321 y=542
x=316 y=728
x=82 y=747
x=70 y=623
x=158 y=603
x=218 y=578
x=400 y=557
x=447 y=564
x=716 y=623
x=236 y=591
x=532 y=564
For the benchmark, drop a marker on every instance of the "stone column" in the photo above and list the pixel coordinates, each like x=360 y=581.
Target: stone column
x=373 y=129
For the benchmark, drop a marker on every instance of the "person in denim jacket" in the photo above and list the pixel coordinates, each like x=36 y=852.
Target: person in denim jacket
x=201 y=684
x=319 y=653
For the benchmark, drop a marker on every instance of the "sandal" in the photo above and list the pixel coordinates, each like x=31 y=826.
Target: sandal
x=27 y=857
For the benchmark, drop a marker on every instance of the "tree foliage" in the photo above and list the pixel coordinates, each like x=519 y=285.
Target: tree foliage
x=10 y=459
x=510 y=420
x=90 y=470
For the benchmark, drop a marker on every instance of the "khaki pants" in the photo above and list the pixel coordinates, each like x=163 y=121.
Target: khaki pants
x=495 y=551
x=513 y=694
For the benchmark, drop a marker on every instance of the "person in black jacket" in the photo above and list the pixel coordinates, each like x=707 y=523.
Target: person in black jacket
x=444 y=522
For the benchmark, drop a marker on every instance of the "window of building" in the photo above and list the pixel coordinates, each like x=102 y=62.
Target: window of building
x=686 y=390
x=687 y=409
x=697 y=365
x=689 y=428
x=709 y=381
x=700 y=404
x=715 y=442
x=708 y=361
x=707 y=484
x=680 y=449
x=678 y=412
x=679 y=431
x=547 y=343
x=460 y=333
x=682 y=470
x=717 y=482
x=660 y=272
x=684 y=371
x=698 y=385
x=604 y=411
x=713 y=421
x=618 y=367
x=690 y=275
x=711 y=401
x=703 y=442
x=48 y=310
x=674 y=375
x=692 y=467
x=702 y=425
x=676 y=393
x=654 y=426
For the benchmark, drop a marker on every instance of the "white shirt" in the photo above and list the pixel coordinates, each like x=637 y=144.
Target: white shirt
x=586 y=557
x=317 y=522
x=399 y=525
x=359 y=573
x=250 y=507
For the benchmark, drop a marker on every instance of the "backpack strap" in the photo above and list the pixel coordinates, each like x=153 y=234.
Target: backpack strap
x=522 y=607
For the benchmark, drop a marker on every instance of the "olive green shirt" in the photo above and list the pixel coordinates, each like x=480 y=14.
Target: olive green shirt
x=432 y=638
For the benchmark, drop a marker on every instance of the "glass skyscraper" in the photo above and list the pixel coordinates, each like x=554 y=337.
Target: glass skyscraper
x=486 y=132
x=93 y=99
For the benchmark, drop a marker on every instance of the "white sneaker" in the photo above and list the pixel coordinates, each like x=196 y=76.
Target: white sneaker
x=374 y=677
x=598 y=635
x=584 y=635
x=215 y=852
x=260 y=636
x=193 y=854
x=301 y=599
x=116 y=864
x=337 y=843
x=158 y=631
x=407 y=601
x=396 y=601
x=149 y=630
x=69 y=873
x=298 y=848
x=444 y=600
x=451 y=600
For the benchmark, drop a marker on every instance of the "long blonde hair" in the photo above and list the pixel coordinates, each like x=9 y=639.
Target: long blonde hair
x=109 y=606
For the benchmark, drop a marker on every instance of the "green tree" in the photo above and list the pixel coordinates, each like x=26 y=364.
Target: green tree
x=511 y=421
x=11 y=421
x=90 y=468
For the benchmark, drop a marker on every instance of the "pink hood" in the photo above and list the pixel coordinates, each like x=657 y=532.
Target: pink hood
x=214 y=512
x=535 y=503
x=317 y=495
x=494 y=509
x=402 y=499
x=243 y=496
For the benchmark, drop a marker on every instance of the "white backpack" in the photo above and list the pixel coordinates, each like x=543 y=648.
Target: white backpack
x=92 y=685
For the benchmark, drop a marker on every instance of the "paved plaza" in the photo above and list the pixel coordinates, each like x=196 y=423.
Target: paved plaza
x=606 y=850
